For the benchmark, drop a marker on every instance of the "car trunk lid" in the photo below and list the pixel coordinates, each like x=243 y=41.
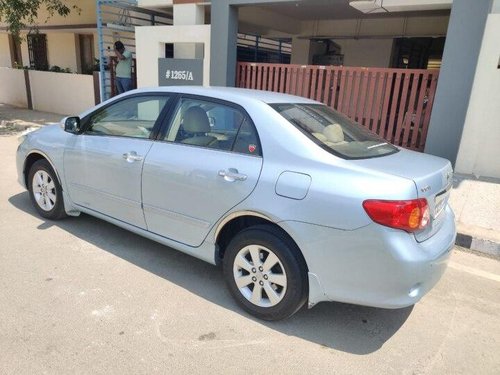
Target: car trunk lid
x=432 y=177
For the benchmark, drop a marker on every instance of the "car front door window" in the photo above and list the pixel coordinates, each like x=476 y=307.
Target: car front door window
x=103 y=166
x=132 y=117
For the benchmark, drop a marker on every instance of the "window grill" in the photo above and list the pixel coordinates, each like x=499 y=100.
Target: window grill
x=37 y=49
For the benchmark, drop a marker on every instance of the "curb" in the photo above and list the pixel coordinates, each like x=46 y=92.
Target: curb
x=481 y=245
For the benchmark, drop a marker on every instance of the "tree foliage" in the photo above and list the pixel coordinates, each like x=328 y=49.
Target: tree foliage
x=20 y=14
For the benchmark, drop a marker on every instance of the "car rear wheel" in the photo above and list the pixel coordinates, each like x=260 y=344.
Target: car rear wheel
x=266 y=273
x=45 y=191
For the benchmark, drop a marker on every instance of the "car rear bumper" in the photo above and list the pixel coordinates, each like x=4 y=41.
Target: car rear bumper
x=374 y=265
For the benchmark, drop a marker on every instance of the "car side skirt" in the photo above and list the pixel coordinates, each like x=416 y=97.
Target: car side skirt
x=204 y=252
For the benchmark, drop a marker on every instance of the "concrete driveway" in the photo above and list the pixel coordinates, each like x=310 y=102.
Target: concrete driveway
x=83 y=296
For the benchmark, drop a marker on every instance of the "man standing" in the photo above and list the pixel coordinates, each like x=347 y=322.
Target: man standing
x=123 y=76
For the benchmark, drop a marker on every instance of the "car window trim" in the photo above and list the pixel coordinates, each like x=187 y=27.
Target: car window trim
x=163 y=131
x=165 y=116
x=157 y=125
x=230 y=152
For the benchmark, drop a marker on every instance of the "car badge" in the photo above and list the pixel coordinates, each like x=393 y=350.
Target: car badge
x=251 y=148
x=425 y=189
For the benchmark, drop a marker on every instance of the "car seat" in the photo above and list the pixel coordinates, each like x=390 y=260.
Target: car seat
x=334 y=135
x=195 y=126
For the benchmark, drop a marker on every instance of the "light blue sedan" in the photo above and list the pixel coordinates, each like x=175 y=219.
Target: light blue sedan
x=297 y=202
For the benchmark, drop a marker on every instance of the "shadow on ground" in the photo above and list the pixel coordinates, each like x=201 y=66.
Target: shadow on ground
x=349 y=328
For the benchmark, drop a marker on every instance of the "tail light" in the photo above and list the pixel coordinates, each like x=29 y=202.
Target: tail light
x=411 y=216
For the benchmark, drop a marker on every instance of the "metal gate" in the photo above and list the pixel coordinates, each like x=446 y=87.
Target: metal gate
x=393 y=103
x=116 y=20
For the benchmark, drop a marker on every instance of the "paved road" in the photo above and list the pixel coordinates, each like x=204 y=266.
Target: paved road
x=83 y=296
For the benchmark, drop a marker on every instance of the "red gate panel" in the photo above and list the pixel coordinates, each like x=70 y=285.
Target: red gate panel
x=393 y=103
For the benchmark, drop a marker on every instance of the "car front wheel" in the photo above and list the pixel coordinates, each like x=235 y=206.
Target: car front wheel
x=266 y=273
x=45 y=191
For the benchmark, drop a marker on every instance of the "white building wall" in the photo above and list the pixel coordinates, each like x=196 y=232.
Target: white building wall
x=357 y=52
x=365 y=42
x=366 y=52
x=13 y=87
x=70 y=94
x=4 y=50
x=479 y=152
x=495 y=7
x=61 y=50
x=188 y=14
x=303 y=50
x=300 y=51
x=390 y=27
x=155 y=3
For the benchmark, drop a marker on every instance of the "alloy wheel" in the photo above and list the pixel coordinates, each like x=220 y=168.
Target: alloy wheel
x=260 y=276
x=44 y=190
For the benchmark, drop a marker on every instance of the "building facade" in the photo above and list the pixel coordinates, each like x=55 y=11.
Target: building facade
x=66 y=42
x=464 y=126
x=461 y=38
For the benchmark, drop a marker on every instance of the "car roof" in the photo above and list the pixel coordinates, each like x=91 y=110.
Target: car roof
x=231 y=94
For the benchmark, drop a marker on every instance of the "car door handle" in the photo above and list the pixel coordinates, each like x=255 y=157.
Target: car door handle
x=232 y=175
x=132 y=156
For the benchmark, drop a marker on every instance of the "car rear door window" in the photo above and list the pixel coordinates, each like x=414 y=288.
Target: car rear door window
x=214 y=125
x=247 y=141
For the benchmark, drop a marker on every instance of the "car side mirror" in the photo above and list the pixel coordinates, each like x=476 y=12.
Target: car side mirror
x=71 y=124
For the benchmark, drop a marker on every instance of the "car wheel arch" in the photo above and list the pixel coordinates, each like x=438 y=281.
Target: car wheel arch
x=32 y=158
x=237 y=222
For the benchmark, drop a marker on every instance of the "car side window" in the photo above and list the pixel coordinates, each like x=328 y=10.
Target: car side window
x=132 y=117
x=209 y=124
x=247 y=141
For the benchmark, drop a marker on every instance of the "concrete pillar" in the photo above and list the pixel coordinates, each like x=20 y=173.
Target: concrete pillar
x=24 y=51
x=188 y=14
x=224 y=36
x=460 y=57
x=478 y=152
x=301 y=51
x=223 y=43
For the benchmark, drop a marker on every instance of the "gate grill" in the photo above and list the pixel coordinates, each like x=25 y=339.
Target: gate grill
x=396 y=104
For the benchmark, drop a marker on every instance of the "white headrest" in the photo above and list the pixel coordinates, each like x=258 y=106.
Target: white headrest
x=334 y=133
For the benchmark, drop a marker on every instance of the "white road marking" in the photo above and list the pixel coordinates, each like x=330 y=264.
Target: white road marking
x=474 y=271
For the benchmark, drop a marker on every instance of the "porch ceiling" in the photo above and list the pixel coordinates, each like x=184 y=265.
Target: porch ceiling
x=311 y=10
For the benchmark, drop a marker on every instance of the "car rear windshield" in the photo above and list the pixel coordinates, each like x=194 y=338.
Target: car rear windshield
x=334 y=132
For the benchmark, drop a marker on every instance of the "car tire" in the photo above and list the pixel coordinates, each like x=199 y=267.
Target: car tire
x=45 y=191
x=266 y=273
